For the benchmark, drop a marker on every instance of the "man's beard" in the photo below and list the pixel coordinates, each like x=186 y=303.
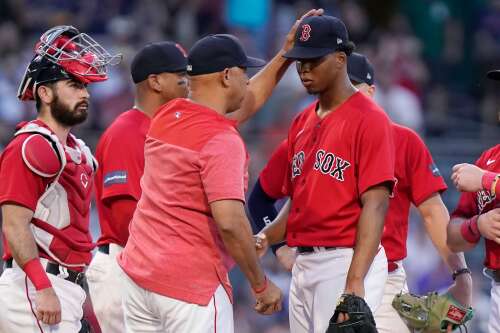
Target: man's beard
x=67 y=116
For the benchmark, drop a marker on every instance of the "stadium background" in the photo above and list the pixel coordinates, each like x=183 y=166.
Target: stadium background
x=430 y=57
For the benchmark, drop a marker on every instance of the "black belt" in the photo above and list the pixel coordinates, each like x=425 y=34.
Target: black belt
x=309 y=249
x=493 y=274
x=53 y=268
x=104 y=248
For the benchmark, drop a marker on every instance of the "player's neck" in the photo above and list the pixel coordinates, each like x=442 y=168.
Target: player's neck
x=333 y=97
x=209 y=99
x=60 y=130
x=148 y=105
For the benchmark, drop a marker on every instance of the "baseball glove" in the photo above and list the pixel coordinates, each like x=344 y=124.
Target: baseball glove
x=431 y=313
x=360 y=316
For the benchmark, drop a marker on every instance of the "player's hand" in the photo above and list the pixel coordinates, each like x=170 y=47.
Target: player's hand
x=290 y=37
x=489 y=225
x=261 y=244
x=461 y=290
x=48 y=307
x=467 y=177
x=270 y=300
x=286 y=257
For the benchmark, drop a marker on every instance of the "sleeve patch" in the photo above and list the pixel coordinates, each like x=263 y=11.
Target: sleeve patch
x=115 y=177
x=435 y=170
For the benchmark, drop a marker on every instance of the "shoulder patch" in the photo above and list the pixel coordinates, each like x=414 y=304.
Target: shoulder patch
x=40 y=157
x=115 y=177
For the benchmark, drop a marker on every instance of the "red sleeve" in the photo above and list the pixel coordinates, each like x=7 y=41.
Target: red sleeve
x=18 y=184
x=273 y=174
x=424 y=175
x=122 y=210
x=375 y=151
x=121 y=163
x=223 y=170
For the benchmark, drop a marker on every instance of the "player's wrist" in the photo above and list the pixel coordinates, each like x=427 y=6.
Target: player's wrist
x=470 y=230
x=490 y=181
x=261 y=287
x=37 y=275
x=461 y=273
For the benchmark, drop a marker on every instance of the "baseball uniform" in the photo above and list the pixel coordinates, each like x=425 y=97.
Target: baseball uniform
x=120 y=153
x=29 y=177
x=332 y=162
x=175 y=262
x=471 y=204
x=417 y=178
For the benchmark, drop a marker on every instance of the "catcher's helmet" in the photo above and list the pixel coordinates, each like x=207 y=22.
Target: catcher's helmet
x=62 y=53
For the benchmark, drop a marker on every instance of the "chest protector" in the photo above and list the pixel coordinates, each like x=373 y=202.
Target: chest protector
x=60 y=223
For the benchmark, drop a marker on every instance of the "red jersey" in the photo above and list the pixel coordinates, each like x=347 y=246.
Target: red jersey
x=120 y=153
x=272 y=176
x=471 y=204
x=417 y=178
x=193 y=157
x=332 y=162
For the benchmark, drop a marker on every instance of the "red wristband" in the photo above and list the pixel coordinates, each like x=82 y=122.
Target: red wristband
x=488 y=179
x=470 y=231
x=258 y=291
x=36 y=274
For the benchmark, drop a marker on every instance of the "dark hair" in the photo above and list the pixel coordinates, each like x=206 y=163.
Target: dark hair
x=38 y=102
x=348 y=48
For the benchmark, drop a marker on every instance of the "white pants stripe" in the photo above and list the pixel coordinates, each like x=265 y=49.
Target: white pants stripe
x=147 y=312
x=318 y=280
x=494 y=321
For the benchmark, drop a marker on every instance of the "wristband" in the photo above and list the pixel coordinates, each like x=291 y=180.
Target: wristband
x=35 y=272
x=490 y=181
x=470 y=231
x=259 y=290
x=460 y=272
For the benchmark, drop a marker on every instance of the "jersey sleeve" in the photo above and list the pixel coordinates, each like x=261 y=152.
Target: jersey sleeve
x=375 y=152
x=121 y=163
x=18 y=184
x=223 y=161
x=273 y=174
x=424 y=175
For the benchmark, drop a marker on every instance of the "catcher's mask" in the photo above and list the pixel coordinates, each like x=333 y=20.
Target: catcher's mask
x=63 y=53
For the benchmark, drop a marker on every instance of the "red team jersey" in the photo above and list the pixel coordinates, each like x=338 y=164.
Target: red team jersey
x=332 y=162
x=471 y=204
x=272 y=176
x=120 y=153
x=417 y=178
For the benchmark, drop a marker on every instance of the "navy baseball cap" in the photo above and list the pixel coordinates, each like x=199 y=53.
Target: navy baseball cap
x=318 y=36
x=494 y=75
x=156 y=58
x=214 y=53
x=360 y=70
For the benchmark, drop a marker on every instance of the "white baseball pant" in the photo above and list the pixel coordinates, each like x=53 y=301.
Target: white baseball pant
x=17 y=303
x=318 y=280
x=146 y=311
x=103 y=277
x=387 y=318
x=494 y=321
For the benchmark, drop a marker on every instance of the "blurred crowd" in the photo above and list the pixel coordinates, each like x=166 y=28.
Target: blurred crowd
x=430 y=59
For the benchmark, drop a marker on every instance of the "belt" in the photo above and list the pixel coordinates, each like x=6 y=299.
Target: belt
x=54 y=269
x=104 y=248
x=392 y=266
x=310 y=249
x=493 y=274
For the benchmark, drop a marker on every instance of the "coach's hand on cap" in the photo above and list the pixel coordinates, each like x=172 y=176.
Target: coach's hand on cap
x=467 y=177
x=291 y=34
x=48 y=307
x=268 y=297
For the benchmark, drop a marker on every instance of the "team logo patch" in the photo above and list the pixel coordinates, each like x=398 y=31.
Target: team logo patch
x=115 y=177
x=455 y=313
x=84 y=179
x=331 y=164
x=306 y=33
x=297 y=164
x=434 y=169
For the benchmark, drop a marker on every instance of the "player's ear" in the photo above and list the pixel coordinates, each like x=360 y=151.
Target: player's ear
x=371 y=90
x=154 y=82
x=45 y=93
x=340 y=58
x=225 y=77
